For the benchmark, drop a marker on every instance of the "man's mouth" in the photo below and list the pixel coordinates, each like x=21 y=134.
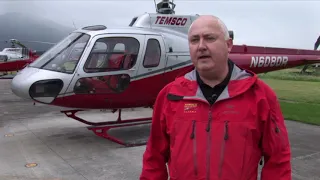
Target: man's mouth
x=203 y=57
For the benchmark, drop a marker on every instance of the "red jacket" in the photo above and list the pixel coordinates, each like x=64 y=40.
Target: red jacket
x=221 y=142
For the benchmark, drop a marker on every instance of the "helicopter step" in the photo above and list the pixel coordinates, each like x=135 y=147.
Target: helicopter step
x=102 y=131
x=101 y=128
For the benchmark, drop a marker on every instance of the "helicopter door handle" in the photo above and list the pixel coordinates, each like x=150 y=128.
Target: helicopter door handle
x=149 y=69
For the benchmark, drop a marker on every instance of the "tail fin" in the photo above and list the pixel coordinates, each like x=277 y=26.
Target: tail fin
x=316 y=45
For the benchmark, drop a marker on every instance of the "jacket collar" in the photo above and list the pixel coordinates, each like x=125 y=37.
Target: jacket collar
x=186 y=87
x=226 y=80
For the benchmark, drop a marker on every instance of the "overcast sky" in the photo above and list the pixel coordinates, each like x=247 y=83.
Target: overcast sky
x=292 y=24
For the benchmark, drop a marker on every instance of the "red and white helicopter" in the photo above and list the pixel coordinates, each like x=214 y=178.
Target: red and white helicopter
x=100 y=68
x=16 y=58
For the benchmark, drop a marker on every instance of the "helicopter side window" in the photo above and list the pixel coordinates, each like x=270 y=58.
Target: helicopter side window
x=3 y=58
x=120 y=53
x=98 y=57
x=153 y=54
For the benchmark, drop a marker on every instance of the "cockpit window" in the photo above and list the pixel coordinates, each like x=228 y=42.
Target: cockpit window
x=112 y=53
x=64 y=56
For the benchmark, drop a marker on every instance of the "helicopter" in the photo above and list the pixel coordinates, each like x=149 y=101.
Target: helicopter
x=119 y=68
x=16 y=58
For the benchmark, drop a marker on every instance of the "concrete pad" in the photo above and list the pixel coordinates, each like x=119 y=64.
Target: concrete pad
x=64 y=149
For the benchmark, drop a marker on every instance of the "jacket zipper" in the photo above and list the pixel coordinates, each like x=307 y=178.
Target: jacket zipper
x=225 y=138
x=193 y=137
x=208 y=144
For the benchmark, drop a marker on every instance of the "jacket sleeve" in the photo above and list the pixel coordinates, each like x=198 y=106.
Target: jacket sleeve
x=275 y=143
x=156 y=154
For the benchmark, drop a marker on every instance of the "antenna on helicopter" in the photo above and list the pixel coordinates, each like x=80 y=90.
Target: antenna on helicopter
x=163 y=7
x=74 y=25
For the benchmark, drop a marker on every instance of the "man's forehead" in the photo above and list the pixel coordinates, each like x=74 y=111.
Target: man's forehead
x=199 y=34
x=204 y=31
x=202 y=27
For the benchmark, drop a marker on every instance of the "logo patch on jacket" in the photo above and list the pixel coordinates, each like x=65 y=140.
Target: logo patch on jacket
x=230 y=109
x=190 y=108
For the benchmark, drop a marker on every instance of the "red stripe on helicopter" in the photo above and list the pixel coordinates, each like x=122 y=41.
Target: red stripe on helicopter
x=165 y=20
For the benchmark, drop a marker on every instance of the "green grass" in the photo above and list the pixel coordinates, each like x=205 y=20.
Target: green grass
x=297 y=91
x=299 y=95
x=293 y=74
x=302 y=112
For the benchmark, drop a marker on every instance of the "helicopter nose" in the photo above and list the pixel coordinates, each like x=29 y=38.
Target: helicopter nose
x=37 y=84
x=21 y=83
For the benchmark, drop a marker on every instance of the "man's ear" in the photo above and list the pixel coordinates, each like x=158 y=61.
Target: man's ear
x=229 y=44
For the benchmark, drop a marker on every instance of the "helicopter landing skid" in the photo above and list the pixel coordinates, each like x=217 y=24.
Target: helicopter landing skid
x=101 y=128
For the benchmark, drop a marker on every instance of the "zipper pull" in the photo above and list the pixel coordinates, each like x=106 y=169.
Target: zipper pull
x=277 y=129
x=261 y=161
x=193 y=129
x=208 y=126
x=226 y=135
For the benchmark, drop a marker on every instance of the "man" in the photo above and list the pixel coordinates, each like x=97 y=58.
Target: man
x=217 y=121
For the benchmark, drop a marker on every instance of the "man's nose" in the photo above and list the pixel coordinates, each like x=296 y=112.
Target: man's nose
x=202 y=46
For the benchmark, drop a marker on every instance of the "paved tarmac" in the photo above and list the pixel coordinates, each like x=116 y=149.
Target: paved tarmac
x=65 y=150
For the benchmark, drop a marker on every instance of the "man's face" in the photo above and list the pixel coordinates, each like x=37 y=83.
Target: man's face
x=208 y=47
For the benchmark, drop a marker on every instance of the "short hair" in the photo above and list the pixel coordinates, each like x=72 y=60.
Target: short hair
x=222 y=25
x=224 y=28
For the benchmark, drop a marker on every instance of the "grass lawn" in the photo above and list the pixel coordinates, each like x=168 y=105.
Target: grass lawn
x=299 y=95
x=302 y=112
x=293 y=74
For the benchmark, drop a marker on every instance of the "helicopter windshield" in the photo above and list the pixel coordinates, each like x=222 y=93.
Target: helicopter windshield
x=64 y=56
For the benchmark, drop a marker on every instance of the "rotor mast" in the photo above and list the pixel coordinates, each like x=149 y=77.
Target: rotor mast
x=165 y=7
x=14 y=42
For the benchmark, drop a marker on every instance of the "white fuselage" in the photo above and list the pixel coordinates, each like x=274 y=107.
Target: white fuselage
x=158 y=42
x=12 y=54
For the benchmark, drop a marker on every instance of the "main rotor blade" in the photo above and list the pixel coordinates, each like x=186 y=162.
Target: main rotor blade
x=39 y=42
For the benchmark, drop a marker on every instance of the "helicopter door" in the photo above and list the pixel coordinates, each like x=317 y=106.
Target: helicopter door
x=108 y=65
x=153 y=61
